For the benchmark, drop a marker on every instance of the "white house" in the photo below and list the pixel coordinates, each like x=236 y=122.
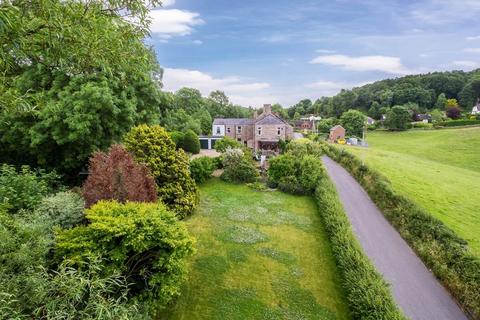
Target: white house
x=476 y=109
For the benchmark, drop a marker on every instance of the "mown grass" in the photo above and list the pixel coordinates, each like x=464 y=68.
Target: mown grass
x=260 y=255
x=437 y=169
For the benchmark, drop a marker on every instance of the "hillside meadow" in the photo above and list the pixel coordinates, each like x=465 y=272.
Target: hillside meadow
x=437 y=169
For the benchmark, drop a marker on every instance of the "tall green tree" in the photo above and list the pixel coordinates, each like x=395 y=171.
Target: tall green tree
x=353 y=121
x=75 y=77
x=398 y=118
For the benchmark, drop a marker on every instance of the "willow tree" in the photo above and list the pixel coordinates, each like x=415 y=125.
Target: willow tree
x=75 y=77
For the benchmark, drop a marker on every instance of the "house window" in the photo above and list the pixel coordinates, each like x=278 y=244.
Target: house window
x=239 y=129
x=239 y=139
x=278 y=131
x=228 y=129
x=259 y=130
x=218 y=130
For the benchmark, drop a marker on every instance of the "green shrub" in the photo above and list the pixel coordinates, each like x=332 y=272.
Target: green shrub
x=295 y=172
x=201 y=168
x=237 y=167
x=64 y=209
x=143 y=242
x=177 y=138
x=422 y=125
x=24 y=189
x=441 y=250
x=191 y=143
x=226 y=142
x=368 y=294
x=152 y=146
x=85 y=294
x=25 y=244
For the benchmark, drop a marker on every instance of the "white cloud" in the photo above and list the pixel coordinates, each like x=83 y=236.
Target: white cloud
x=199 y=42
x=167 y=23
x=472 y=38
x=472 y=50
x=466 y=63
x=385 y=64
x=238 y=90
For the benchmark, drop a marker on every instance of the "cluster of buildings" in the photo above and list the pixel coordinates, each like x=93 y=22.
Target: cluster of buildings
x=261 y=133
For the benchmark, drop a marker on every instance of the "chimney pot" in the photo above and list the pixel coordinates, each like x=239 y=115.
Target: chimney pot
x=267 y=108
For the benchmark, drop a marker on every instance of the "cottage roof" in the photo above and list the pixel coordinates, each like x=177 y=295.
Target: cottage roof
x=336 y=127
x=269 y=119
x=233 y=121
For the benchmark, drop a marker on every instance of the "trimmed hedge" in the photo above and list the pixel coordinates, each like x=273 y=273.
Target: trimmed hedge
x=367 y=292
x=445 y=253
x=458 y=123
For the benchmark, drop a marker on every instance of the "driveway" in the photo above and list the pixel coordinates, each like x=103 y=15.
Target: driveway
x=297 y=135
x=415 y=288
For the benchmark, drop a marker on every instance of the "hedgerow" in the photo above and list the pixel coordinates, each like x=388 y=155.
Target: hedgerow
x=368 y=294
x=457 y=123
x=444 y=252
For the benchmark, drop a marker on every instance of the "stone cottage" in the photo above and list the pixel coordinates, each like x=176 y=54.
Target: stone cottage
x=337 y=132
x=262 y=132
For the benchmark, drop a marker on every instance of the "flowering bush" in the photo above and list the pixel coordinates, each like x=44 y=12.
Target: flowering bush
x=237 y=167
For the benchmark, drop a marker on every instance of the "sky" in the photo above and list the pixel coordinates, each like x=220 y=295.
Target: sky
x=281 y=51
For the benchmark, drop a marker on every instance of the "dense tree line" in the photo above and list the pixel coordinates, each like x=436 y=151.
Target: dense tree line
x=418 y=93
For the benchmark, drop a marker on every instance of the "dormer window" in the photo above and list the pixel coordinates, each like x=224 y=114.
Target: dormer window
x=228 y=129
x=239 y=129
x=218 y=130
x=259 y=130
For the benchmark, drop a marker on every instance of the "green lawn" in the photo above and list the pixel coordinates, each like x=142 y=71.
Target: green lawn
x=438 y=169
x=260 y=255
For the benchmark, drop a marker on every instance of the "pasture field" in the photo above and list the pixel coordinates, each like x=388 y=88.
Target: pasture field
x=437 y=169
x=260 y=255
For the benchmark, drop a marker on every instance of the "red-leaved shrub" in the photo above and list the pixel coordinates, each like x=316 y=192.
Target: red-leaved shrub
x=116 y=176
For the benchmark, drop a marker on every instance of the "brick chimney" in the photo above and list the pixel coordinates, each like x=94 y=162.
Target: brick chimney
x=267 y=108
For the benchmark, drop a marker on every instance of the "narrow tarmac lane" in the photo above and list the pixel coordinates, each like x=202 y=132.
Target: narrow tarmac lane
x=415 y=288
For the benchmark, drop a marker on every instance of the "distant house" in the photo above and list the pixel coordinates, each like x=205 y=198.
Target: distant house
x=425 y=118
x=336 y=133
x=304 y=124
x=370 y=121
x=262 y=132
x=476 y=109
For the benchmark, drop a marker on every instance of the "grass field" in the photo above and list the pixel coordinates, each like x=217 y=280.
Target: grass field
x=260 y=255
x=438 y=169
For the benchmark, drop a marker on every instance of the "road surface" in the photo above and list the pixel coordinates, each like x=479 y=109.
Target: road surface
x=414 y=287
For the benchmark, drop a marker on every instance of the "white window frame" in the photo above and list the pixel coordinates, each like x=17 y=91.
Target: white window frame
x=279 y=131
x=259 y=131
x=228 y=130
x=239 y=129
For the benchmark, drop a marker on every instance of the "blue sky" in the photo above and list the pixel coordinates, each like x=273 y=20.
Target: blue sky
x=283 y=51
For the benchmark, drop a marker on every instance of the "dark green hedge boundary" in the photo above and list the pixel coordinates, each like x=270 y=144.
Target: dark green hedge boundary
x=445 y=253
x=458 y=123
x=368 y=294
